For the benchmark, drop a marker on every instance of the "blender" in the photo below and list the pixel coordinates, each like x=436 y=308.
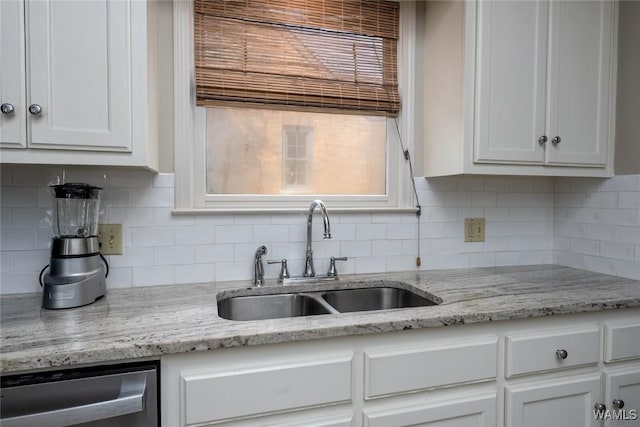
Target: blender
x=77 y=270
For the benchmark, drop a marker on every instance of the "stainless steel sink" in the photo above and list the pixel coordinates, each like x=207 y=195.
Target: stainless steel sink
x=349 y=300
x=257 y=307
x=333 y=301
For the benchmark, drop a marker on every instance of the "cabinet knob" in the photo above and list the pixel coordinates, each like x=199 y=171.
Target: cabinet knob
x=7 y=108
x=562 y=354
x=543 y=140
x=556 y=140
x=618 y=403
x=35 y=109
x=600 y=407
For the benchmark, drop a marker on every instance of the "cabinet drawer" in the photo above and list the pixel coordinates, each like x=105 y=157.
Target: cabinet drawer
x=239 y=393
x=417 y=368
x=621 y=342
x=543 y=351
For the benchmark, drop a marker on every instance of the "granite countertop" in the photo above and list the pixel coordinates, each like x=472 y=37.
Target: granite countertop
x=148 y=322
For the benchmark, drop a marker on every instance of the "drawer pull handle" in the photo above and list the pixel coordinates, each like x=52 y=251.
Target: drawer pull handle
x=618 y=403
x=600 y=407
x=562 y=354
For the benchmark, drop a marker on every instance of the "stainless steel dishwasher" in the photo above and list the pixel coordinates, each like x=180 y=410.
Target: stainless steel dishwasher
x=105 y=396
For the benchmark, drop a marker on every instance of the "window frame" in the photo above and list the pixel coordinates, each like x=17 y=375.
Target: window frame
x=190 y=138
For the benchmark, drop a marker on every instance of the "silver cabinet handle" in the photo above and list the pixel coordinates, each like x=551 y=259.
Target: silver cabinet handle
x=600 y=407
x=130 y=401
x=618 y=403
x=35 y=109
x=543 y=140
x=7 y=109
x=562 y=354
x=556 y=140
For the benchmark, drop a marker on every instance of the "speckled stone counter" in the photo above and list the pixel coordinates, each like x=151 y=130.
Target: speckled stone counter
x=148 y=322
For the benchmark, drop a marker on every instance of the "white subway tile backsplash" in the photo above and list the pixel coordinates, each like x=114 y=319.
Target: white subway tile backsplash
x=629 y=200
x=120 y=278
x=233 y=234
x=386 y=248
x=571 y=221
x=605 y=232
x=18 y=239
x=25 y=261
x=174 y=255
x=18 y=197
x=153 y=275
x=195 y=235
x=133 y=256
x=374 y=264
x=371 y=231
x=197 y=273
x=271 y=233
x=131 y=217
x=152 y=197
x=152 y=236
x=212 y=254
x=616 y=250
x=131 y=179
x=619 y=216
x=19 y=283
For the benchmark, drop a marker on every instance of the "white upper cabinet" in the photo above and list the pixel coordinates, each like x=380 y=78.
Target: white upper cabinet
x=535 y=88
x=13 y=128
x=77 y=74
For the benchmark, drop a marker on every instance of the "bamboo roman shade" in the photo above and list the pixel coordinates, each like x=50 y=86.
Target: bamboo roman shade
x=326 y=55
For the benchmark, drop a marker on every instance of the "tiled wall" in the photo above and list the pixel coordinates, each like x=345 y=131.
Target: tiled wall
x=597 y=224
x=161 y=248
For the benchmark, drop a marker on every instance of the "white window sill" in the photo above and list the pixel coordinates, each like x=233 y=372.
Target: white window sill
x=271 y=211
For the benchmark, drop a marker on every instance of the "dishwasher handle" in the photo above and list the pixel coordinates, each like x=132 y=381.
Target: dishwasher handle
x=129 y=401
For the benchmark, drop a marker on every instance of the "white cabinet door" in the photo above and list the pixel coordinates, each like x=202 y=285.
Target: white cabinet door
x=79 y=73
x=622 y=397
x=476 y=411
x=581 y=46
x=544 y=82
x=566 y=402
x=511 y=71
x=13 y=128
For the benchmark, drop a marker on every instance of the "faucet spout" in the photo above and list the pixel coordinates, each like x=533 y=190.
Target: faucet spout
x=309 y=270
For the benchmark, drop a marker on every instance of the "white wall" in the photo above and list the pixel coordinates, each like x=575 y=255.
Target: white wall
x=161 y=248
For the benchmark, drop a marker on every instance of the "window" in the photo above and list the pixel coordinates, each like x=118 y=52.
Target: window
x=297 y=158
x=292 y=103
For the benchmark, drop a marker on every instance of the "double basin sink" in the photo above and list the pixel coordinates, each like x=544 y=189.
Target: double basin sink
x=316 y=302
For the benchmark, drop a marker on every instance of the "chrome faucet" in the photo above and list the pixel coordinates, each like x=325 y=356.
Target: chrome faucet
x=258 y=266
x=309 y=270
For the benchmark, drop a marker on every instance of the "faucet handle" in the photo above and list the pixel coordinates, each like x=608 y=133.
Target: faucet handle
x=284 y=271
x=332 y=265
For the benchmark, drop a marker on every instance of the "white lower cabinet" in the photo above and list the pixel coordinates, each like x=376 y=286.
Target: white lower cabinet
x=496 y=374
x=478 y=410
x=622 y=397
x=566 y=402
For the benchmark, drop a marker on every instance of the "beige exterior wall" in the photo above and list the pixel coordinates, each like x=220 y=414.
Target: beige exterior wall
x=245 y=152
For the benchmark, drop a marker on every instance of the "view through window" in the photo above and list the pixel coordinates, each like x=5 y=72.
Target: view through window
x=257 y=151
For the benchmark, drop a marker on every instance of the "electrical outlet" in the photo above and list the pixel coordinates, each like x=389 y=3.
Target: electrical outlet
x=110 y=238
x=474 y=229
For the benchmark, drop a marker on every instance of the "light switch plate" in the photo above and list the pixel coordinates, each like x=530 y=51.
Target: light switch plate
x=474 y=229
x=110 y=237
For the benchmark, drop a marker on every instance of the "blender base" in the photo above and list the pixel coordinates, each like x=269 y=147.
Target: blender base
x=65 y=288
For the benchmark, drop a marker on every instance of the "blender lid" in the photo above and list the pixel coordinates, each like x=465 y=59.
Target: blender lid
x=76 y=191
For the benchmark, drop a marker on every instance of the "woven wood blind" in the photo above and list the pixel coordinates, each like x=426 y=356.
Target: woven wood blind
x=326 y=55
